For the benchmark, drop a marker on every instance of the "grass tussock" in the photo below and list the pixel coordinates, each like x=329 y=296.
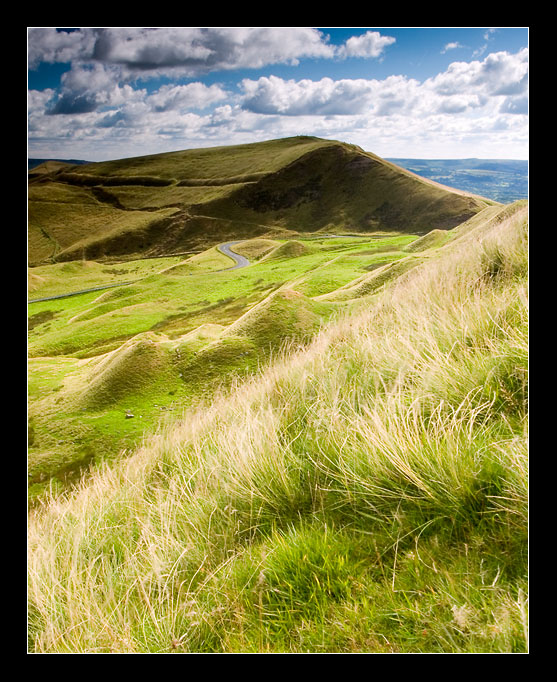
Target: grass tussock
x=365 y=494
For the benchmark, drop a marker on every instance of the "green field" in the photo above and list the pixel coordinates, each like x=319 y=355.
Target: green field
x=324 y=451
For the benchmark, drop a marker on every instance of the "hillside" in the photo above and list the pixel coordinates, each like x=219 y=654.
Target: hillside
x=182 y=201
x=345 y=469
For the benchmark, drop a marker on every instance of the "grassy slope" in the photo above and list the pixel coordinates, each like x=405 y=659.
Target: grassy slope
x=170 y=306
x=366 y=494
x=167 y=203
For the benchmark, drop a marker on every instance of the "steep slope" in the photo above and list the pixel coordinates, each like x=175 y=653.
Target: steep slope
x=168 y=203
x=367 y=494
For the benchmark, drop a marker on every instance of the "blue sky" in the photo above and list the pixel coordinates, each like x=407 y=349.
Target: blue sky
x=100 y=93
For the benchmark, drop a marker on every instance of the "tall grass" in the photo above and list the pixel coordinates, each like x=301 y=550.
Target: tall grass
x=368 y=493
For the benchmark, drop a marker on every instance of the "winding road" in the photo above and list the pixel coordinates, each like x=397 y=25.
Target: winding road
x=225 y=248
x=240 y=262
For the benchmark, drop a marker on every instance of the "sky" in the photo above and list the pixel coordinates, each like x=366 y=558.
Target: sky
x=102 y=93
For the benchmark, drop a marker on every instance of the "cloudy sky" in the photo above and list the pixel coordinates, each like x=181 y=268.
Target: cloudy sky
x=99 y=93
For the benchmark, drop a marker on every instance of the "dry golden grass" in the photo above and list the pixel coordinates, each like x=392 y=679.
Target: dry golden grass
x=407 y=415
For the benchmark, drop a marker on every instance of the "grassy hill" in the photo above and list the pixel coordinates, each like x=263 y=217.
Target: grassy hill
x=169 y=203
x=325 y=451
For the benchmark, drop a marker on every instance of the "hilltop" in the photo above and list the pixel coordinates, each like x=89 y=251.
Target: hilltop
x=189 y=200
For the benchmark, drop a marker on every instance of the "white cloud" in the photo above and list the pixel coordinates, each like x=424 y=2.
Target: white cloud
x=481 y=103
x=370 y=44
x=189 y=51
x=498 y=73
x=143 y=52
x=46 y=44
x=450 y=46
x=499 y=81
x=183 y=97
x=325 y=97
x=487 y=37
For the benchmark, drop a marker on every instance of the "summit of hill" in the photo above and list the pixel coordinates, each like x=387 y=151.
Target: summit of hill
x=190 y=200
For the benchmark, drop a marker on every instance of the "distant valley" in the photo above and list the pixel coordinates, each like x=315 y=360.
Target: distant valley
x=503 y=180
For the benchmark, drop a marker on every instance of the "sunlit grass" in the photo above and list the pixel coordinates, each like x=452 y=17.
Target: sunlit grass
x=365 y=494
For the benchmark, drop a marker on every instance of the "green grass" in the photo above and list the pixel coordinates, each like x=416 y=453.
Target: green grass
x=199 y=327
x=364 y=493
x=65 y=278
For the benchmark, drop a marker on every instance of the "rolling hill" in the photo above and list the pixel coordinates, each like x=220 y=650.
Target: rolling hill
x=189 y=200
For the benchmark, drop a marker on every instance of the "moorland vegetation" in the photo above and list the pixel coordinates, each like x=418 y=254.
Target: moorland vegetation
x=325 y=451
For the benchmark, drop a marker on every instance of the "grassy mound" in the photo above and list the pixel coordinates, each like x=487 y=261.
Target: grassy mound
x=219 y=363
x=254 y=249
x=372 y=282
x=290 y=249
x=285 y=315
x=431 y=240
x=208 y=261
x=137 y=363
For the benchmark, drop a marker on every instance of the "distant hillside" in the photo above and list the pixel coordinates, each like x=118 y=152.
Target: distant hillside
x=33 y=163
x=192 y=199
x=503 y=180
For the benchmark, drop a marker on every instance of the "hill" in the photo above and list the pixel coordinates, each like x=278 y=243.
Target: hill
x=34 y=163
x=365 y=490
x=182 y=201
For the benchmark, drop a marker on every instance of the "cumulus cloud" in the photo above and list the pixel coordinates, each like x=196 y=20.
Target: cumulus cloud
x=47 y=44
x=106 y=105
x=499 y=81
x=370 y=44
x=146 y=52
x=191 y=96
x=139 y=52
x=273 y=95
x=104 y=61
x=498 y=74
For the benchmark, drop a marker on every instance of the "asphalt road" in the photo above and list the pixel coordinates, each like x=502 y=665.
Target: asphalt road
x=241 y=261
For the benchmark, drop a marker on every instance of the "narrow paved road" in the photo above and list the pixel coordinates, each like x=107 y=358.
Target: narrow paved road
x=241 y=261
